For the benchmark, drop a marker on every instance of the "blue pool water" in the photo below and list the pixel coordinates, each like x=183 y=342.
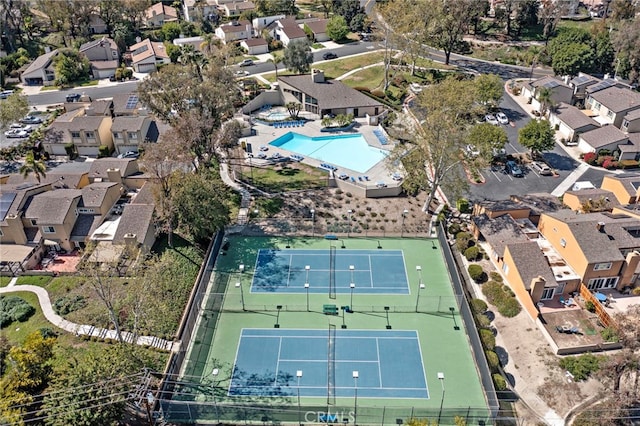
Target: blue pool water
x=347 y=151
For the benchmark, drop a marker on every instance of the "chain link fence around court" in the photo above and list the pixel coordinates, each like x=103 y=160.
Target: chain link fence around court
x=354 y=228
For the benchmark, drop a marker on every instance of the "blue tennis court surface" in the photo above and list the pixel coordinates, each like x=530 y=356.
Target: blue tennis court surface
x=389 y=363
x=374 y=271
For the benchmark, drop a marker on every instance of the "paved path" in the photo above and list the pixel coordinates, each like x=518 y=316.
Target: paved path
x=86 y=330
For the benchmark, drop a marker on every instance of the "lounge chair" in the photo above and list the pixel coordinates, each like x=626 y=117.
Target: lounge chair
x=360 y=178
x=564 y=303
x=353 y=179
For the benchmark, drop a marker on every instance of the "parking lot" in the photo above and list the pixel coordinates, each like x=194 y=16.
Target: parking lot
x=6 y=142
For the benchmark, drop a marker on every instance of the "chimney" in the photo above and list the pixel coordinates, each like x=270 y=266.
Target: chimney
x=143 y=111
x=600 y=226
x=15 y=224
x=629 y=268
x=138 y=39
x=114 y=175
x=317 y=76
x=537 y=288
x=130 y=240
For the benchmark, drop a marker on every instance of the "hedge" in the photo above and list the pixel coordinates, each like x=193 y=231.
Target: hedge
x=472 y=253
x=492 y=360
x=488 y=339
x=509 y=308
x=476 y=273
x=499 y=382
x=478 y=306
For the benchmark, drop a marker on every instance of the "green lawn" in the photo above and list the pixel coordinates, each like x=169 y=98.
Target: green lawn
x=88 y=83
x=285 y=178
x=39 y=280
x=4 y=281
x=17 y=331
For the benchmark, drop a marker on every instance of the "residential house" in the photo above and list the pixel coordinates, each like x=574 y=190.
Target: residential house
x=236 y=30
x=15 y=198
x=607 y=137
x=319 y=29
x=104 y=56
x=196 y=42
x=580 y=83
x=86 y=132
x=320 y=96
x=287 y=30
x=113 y=170
x=630 y=150
x=255 y=46
x=626 y=187
x=159 y=14
x=560 y=92
x=137 y=225
x=99 y=107
x=235 y=9
x=96 y=24
x=127 y=104
x=41 y=71
x=571 y=122
x=590 y=200
x=613 y=104
x=263 y=22
x=631 y=122
x=147 y=55
x=194 y=10
x=602 y=248
x=129 y=133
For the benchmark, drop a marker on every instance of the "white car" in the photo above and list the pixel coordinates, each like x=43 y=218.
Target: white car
x=17 y=126
x=242 y=73
x=502 y=118
x=16 y=133
x=491 y=119
x=472 y=151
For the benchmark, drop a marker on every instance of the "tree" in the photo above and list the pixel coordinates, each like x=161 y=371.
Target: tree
x=490 y=88
x=352 y=13
x=549 y=15
x=449 y=23
x=70 y=66
x=294 y=109
x=545 y=98
x=201 y=203
x=298 y=56
x=111 y=12
x=12 y=109
x=170 y=31
x=572 y=51
x=276 y=58
x=604 y=53
x=526 y=15
x=31 y=363
x=337 y=28
x=33 y=166
x=537 y=135
x=488 y=139
x=626 y=42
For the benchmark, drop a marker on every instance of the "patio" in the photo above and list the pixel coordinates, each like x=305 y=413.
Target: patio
x=67 y=262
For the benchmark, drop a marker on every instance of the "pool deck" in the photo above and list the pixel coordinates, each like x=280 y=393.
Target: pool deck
x=377 y=173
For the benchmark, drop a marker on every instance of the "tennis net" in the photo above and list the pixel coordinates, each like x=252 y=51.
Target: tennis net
x=331 y=366
x=332 y=272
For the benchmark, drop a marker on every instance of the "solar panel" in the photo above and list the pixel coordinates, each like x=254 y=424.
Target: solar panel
x=551 y=84
x=581 y=79
x=132 y=102
x=602 y=85
x=6 y=199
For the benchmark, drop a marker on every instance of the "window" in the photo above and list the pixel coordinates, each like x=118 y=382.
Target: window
x=625 y=124
x=75 y=135
x=505 y=268
x=610 y=114
x=34 y=222
x=1 y=234
x=48 y=229
x=85 y=210
x=596 y=106
x=602 y=266
x=132 y=135
x=563 y=242
x=599 y=283
x=547 y=293
x=117 y=135
x=310 y=100
x=90 y=135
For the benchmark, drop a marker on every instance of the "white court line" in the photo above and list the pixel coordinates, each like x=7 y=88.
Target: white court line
x=337 y=387
x=278 y=362
x=379 y=367
x=370 y=271
x=324 y=337
x=324 y=360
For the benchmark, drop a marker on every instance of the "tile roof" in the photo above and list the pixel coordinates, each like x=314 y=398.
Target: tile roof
x=630 y=182
x=500 y=231
x=85 y=225
x=573 y=117
x=251 y=42
x=147 y=49
x=40 y=62
x=100 y=166
x=51 y=207
x=104 y=65
x=159 y=8
x=235 y=27
x=632 y=115
x=330 y=93
x=88 y=45
x=94 y=193
x=145 y=195
x=617 y=99
x=604 y=136
x=530 y=263
x=135 y=219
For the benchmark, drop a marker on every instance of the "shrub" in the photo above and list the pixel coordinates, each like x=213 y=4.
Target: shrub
x=495 y=276
x=509 y=307
x=454 y=229
x=499 y=382
x=23 y=312
x=589 y=306
x=581 y=366
x=362 y=89
x=483 y=321
x=493 y=361
x=488 y=339
x=68 y=304
x=377 y=93
x=103 y=151
x=5 y=319
x=492 y=291
x=590 y=158
x=476 y=273
x=462 y=205
x=462 y=240
x=601 y=159
x=471 y=253
x=478 y=306
x=609 y=334
x=609 y=163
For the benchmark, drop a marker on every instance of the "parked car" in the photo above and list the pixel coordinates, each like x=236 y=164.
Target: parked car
x=16 y=133
x=502 y=118
x=329 y=55
x=31 y=119
x=491 y=119
x=541 y=168
x=246 y=63
x=241 y=73
x=17 y=126
x=5 y=94
x=513 y=169
x=129 y=154
x=72 y=97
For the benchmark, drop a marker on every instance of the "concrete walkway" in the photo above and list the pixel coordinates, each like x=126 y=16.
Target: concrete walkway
x=86 y=330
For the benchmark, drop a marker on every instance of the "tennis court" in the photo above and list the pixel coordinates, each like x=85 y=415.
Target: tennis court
x=389 y=363
x=371 y=271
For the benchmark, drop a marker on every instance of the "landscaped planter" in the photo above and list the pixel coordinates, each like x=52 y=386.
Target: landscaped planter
x=338 y=129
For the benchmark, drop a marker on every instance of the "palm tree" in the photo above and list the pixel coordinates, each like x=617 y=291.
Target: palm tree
x=31 y=165
x=277 y=58
x=545 y=97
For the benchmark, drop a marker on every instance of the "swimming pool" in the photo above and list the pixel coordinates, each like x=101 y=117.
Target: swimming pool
x=347 y=151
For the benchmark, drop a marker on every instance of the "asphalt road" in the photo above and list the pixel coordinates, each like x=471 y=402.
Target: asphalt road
x=53 y=97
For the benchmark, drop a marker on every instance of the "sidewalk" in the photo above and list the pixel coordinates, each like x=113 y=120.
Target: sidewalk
x=86 y=330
